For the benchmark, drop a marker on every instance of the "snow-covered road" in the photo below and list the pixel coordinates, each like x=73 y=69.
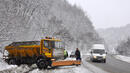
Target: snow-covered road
x=85 y=67
x=112 y=65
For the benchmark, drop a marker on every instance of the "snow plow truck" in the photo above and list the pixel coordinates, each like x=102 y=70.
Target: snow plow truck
x=44 y=53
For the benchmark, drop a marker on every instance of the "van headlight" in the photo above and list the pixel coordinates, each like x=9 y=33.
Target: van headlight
x=104 y=57
x=94 y=56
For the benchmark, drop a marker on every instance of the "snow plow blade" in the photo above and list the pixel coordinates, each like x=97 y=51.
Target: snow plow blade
x=66 y=63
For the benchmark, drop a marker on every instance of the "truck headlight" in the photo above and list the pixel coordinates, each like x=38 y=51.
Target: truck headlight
x=94 y=56
x=6 y=53
x=104 y=57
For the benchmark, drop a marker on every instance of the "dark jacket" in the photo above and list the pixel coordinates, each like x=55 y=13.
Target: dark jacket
x=77 y=54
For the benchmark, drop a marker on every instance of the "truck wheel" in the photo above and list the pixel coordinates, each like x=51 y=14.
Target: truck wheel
x=42 y=64
x=12 y=62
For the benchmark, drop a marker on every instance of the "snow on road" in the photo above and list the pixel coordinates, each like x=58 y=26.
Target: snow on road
x=66 y=69
x=4 y=65
x=122 y=58
x=91 y=67
x=85 y=67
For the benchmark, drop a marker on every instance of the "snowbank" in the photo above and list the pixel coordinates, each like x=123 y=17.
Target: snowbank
x=123 y=58
x=64 y=69
x=4 y=65
x=85 y=67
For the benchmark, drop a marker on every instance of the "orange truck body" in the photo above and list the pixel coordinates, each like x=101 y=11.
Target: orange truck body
x=23 y=51
x=66 y=63
x=39 y=52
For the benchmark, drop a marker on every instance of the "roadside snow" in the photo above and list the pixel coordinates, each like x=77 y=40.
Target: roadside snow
x=85 y=67
x=4 y=65
x=123 y=58
x=70 y=59
x=64 y=69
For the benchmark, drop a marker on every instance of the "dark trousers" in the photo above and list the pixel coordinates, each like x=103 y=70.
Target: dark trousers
x=78 y=58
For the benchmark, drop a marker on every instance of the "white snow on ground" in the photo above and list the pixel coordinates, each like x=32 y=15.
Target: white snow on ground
x=94 y=69
x=81 y=70
x=4 y=65
x=1 y=55
x=123 y=58
x=91 y=67
x=85 y=67
x=64 y=69
x=70 y=58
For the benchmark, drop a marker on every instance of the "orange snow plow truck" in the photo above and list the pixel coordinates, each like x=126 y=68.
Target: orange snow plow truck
x=44 y=53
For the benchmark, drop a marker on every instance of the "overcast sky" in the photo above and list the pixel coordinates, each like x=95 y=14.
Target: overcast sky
x=106 y=13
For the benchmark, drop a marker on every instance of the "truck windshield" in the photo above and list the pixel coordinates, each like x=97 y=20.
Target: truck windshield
x=56 y=44
x=53 y=44
x=98 y=51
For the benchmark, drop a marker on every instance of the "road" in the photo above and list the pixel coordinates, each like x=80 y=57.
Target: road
x=113 y=65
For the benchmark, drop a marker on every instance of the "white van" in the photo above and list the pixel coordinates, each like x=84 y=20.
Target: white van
x=98 y=53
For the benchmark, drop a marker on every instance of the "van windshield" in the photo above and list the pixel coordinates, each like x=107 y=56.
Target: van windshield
x=98 y=51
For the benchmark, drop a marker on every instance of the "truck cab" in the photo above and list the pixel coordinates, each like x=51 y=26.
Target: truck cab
x=98 y=53
x=52 y=48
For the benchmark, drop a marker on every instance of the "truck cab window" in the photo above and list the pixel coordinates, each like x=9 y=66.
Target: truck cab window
x=53 y=44
x=46 y=44
x=59 y=45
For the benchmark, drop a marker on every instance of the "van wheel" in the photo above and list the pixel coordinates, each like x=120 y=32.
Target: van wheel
x=104 y=61
x=42 y=64
x=91 y=60
x=12 y=62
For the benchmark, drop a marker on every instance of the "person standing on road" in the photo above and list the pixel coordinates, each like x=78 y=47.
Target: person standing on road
x=77 y=54
x=65 y=54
